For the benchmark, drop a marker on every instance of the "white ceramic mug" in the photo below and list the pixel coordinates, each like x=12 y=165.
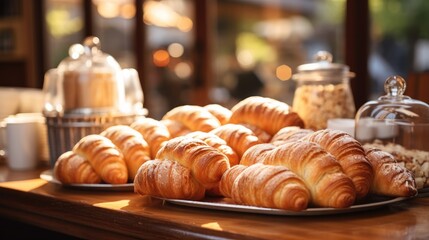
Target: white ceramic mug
x=21 y=146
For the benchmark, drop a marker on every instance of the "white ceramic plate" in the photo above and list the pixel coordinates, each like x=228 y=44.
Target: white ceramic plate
x=48 y=176
x=225 y=205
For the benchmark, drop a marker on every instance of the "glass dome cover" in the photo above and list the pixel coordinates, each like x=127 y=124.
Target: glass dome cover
x=88 y=81
x=394 y=118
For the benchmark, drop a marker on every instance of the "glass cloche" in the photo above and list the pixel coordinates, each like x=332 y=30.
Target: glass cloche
x=397 y=124
x=87 y=93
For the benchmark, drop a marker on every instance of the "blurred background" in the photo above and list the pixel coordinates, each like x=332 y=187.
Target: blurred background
x=221 y=51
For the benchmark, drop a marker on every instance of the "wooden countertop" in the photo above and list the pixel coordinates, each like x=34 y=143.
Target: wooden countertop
x=126 y=215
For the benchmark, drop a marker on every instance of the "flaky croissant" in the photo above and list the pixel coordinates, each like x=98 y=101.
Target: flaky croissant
x=218 y=143
x=290 y=133
x=390 y=178
x=194 y=117
x=175 y=128
x=259 y=132
x=266 y=113
x=349 y=153
x=237 y=136
x=106 y=159
x=322 y=174
x=130 y=142
x=256 y=154
x=206 y=163
x=71 y=168
x=266 y=186
x=222 y=113
x=154 y=133
x=167 y=179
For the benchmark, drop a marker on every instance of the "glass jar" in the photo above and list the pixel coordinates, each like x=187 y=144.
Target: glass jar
x=323 y=92
x=397 y=124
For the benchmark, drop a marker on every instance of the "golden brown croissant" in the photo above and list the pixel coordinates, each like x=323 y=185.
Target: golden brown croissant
x=322 y=174
x=266 y=113
x=218 y=143
x=290 y=133
x=167 y=179
x=206 y=163
x=255 y=154
x=350 y=154
x=220 y=112
x=107 y=161
x=130 y=142
x=228 y=178
x=237 y=136
x=71 y=168
x=259 y=132
x=175 y=128
x=269 y=186
x=194 y=117
x=154 y=132
x=390 y=178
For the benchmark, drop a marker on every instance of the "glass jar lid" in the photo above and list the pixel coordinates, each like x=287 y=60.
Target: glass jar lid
x=88 y=56
x=394 y=106
x=322 y=69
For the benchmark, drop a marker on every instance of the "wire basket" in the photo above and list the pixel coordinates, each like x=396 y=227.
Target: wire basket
x=65 y=131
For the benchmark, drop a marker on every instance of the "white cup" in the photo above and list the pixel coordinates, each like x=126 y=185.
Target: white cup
x=21 y=135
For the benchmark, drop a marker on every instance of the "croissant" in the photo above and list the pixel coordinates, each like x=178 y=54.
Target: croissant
x=71 y=168
x=266 y=113
x=175 y=128
x=238 y=137
x=322 y=174
x=218 y=143
x=290 y=133
x=223 y=114
x=259 y=132
x=107 y=161
x=153 y=131
x=130 y=142
x=194 y=117
x=256 y=154
x=390 y=178
x=268 y=186
x=167 y=179
x=350 y=154
x=206 y=163
x=228 y=178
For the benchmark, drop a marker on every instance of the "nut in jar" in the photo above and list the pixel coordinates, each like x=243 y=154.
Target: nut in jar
x=323 y=92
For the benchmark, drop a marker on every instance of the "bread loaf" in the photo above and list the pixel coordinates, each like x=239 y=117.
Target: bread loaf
x=167 y=179
x=107 y=161
x=71 y=168
x=266 y=113
x=390 y=178
x=130 y=142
